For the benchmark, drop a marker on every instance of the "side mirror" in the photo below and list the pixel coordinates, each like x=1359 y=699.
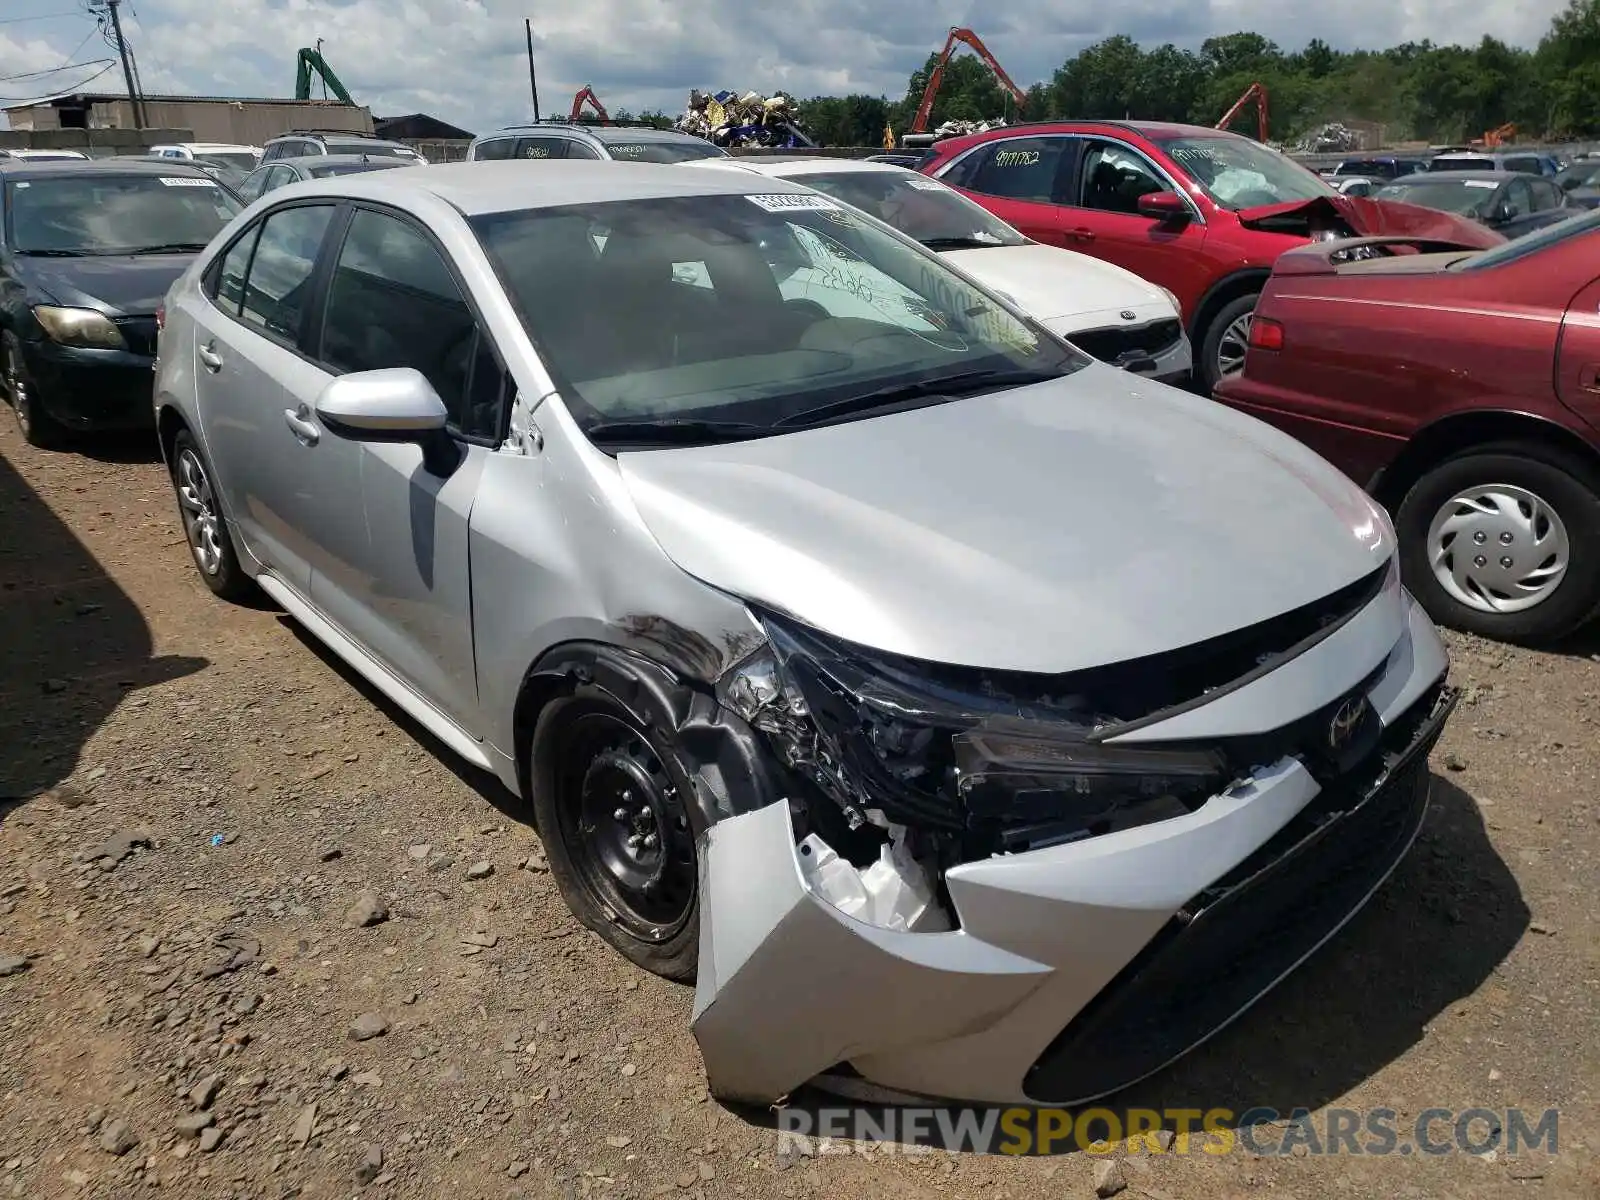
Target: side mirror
x=1500 y=213
x=394 y=404
x=1163 y=206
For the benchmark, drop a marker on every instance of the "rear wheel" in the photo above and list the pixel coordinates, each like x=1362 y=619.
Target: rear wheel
x=1504 y=541
x=37 y=426
x=1226 y=338
x=205 y=527
x=610 y=798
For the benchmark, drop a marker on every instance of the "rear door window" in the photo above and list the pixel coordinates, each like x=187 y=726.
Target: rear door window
x=495 y=148
x=276 y=290
x=541 y=147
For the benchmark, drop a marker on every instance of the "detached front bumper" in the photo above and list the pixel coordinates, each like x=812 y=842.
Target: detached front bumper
x=1074 y=970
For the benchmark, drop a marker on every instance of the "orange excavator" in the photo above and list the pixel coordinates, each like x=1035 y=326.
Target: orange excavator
x=1499 y=137
x=586 y=96
x=925 y=108
x=1258 y=93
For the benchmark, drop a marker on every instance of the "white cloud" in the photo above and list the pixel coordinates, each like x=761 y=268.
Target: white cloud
x=464 y=60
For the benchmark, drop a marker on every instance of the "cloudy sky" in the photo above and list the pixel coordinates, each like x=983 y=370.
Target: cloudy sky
x=464 y=60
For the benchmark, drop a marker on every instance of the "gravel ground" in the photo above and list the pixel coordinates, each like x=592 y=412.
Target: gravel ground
x=260 y=937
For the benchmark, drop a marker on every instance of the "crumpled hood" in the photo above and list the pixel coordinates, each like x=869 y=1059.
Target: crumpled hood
x=1382 y=218
x=121 y=286
x=1069 y=524
x=1049 y=283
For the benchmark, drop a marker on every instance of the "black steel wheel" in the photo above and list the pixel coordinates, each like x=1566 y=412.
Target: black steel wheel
x=611 y=803
x=35 y=424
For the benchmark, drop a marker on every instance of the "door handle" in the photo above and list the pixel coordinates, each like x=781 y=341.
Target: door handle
x=209 y=358
x=1081 y=234
x=306 y=431
x=1589 y=377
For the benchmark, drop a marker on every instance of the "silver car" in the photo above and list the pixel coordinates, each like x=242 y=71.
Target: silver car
x=968 y=718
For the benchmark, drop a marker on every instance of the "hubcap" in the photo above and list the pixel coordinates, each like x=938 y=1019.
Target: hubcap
x=1498 y=548
x=199 y=509
x=628 y=829
x=1231 y=347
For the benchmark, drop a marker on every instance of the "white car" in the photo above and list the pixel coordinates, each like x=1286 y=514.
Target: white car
x=243 y=158
x=1107 y=311
x=42 y=155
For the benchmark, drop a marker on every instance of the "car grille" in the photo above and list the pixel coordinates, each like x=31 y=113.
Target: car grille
x=1235 y=940
x=1112 y=345
x=139 y=333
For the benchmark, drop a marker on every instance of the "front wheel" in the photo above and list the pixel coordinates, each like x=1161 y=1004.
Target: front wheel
x=205 y=528
x=1226 y=339
x=611 y=801
x=1504 y=541
x=37 y=427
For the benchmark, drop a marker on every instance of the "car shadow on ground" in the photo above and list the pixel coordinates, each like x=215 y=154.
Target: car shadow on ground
x=75 y=644
x=117 y=448
x=1434 y=933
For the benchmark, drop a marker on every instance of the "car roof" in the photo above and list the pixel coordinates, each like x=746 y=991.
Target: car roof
x=323 y=160
x=15 y=167
x=604 y=134
x=797 y=164
x=477 y=188
x=1464 y=176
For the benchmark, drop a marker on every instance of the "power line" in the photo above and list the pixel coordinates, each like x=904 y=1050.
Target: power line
x=58 y=91
x=38 y=17
x=93 y=62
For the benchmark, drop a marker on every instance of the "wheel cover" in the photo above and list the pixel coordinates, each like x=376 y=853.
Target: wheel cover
x=1498 y=548
x=1233 y=343
x=626 y=828
x=21 y=402
x=198 y=505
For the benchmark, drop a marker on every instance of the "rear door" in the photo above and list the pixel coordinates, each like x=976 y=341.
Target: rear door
x=1022 y=180
x=1104 y=218
x=247 y=348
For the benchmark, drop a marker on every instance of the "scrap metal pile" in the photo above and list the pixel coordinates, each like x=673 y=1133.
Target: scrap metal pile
x=950 y=129
x=751 y=119
x=1329 y=138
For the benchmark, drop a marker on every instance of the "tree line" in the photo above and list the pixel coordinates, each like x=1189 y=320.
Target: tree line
x=1417 y=90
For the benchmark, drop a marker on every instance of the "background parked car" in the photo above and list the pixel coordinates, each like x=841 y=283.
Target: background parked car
x=283 y=171
x=626 y=143
x=1487 y=160
x=1379 y=166
x=1510 y=203
x=1581 y=183
x=23 y=155
x=304 y=142
x=1463 y=389
x=1200 y=211
x=89 y=249
x=1355 y=185
x=240 y=157
x=1105 y=310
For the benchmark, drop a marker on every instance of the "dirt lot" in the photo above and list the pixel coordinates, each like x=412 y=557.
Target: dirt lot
x=201 y=803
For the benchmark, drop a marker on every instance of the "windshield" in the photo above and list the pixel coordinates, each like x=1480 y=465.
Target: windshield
x=1460 y=196
x=114 y=214
x=1578 y=175
x=372 y=149
x=1461 y=163
x=698 y=317
x=241 y=160
x=661 y=152
x=1533 y=243
x=1238 y=173
x=918 y=207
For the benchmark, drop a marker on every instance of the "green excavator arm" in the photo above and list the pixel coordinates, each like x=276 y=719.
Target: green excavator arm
x=307 y=61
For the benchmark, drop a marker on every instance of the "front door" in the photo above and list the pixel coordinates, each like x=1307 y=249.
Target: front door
x=246 y=344
x=391 y=569
x=1103 y=217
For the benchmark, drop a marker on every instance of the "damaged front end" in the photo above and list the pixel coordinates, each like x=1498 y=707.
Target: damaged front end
x=977 y=839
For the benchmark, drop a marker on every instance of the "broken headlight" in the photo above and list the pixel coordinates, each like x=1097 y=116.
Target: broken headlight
x=955 y=751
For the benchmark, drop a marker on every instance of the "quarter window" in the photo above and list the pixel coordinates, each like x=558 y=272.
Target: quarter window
x=276 y=290
x=542 y=147
x=231 y=273
x=1017 y=168
x=495 y=148
x=393 y=302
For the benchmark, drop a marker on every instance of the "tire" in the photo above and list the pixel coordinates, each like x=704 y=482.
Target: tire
x=589 y=738
x=38 y=428
x=205 y=527
x=1208 y=371
x=1525 y=501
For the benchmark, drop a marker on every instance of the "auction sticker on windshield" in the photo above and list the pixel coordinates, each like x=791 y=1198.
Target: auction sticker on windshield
x=925 y=185
x=186 y=181
x=787 y=202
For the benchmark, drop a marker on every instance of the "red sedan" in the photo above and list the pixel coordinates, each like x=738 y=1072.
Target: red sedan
x=1462 y=389
x=1201 y=212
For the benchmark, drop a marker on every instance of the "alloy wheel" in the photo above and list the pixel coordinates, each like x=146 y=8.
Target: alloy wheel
x=1232 y=345
x=1498 y=548
x=198 y=503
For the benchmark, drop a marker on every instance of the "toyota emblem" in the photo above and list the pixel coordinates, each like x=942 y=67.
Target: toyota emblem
x=1345 y=721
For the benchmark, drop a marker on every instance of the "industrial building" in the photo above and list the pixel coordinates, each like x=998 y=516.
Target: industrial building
x=234 y=119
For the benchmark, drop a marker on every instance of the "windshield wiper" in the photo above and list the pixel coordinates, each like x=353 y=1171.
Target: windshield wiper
x=960 y=243
x=168 y=248
x=57 y=253
x=676 y=431
x=939 y=388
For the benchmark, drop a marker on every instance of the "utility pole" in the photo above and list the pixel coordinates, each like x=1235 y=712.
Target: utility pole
x=533 y=80
x=134 y=98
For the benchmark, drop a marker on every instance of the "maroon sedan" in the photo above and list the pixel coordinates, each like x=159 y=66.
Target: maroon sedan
x=1462 y=389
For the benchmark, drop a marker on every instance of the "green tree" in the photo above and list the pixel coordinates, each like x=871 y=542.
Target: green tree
x=1569 y=59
